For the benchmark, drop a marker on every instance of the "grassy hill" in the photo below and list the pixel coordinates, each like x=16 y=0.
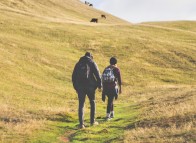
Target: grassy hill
x=40 y=42
x=64 y=11
x=189 y=26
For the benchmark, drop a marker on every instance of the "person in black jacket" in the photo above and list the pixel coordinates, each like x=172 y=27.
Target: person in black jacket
x=86 y=78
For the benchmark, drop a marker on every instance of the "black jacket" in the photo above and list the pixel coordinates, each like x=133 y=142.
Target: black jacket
x=94 y=80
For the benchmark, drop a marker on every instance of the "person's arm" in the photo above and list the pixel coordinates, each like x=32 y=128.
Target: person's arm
x=119 y=80
x=74 y=74
x=97 y=75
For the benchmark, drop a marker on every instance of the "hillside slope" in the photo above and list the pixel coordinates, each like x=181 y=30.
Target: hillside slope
x=178 y=25
x=40 y=42
x=72 y=11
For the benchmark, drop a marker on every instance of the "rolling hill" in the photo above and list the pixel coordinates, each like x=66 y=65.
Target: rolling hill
x=72 y=11
x=40 y=42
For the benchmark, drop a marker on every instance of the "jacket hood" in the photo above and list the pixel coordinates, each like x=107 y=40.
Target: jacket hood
x=85 y=59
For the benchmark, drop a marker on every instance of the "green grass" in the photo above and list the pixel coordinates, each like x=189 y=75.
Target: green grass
x=106 y=131
x=39 y=49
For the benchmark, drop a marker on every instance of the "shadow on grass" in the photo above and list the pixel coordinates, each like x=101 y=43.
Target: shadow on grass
x=60 y=117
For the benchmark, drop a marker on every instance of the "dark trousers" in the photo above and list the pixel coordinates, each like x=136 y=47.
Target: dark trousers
x=111 y=93
x=81 y=96
x=110 y=105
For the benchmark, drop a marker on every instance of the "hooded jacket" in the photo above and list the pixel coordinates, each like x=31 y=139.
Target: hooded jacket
x=94 y=79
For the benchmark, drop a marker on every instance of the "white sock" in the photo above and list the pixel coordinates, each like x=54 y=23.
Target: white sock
x=107 y=115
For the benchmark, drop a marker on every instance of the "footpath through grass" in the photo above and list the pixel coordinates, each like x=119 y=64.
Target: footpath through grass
x=106 y=131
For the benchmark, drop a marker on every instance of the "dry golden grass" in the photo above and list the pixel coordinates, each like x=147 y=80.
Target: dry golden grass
x=62 y=11
x=40 y=42
x=168 y=115
x=180 y=25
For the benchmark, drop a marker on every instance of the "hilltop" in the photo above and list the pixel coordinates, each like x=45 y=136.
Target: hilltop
x=40 y=42
x=64 y=11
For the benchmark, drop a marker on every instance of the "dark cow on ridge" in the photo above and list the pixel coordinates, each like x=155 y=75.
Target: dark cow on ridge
x=103 y=16
x=95 y=20
x=87 y=3
x=91 y=4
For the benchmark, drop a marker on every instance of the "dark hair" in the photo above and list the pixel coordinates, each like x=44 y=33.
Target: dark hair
x=88 y=54
x=113 y=61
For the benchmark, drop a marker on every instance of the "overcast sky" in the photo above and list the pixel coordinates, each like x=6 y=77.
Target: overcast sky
x=137 y=11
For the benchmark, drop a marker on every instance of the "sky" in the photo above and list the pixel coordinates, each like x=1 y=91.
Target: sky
x=137 y=11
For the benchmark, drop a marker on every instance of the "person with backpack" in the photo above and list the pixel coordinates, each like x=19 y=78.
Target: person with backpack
x=111 y=79
x=86 y=78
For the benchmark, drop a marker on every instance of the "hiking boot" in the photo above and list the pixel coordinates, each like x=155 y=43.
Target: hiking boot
x=107 y=117
x=81 y=126
x=94 y=124
x=112 y=116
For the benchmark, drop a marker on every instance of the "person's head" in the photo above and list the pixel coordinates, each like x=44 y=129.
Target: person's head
x=113 y=61
x=88 y=54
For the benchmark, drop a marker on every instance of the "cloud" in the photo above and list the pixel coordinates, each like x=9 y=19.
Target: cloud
x=150 y=10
